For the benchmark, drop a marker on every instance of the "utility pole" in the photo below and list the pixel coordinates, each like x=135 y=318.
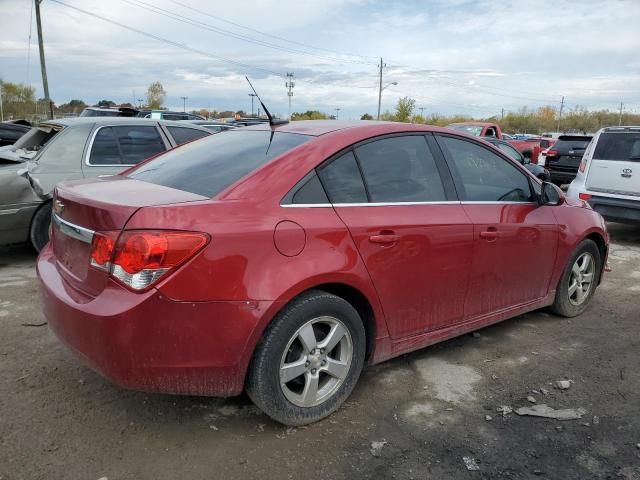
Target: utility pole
x=620 y=116
x=184 y=103
x=290 y=84
x=560 y=116
x=140 y=100
x=1 y=107
x=252 y=95
x=380 y=88
x=421 y=111
x=502 y=115
x=337 y=112
x=43 y=67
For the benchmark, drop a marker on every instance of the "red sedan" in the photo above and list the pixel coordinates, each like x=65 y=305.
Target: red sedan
x=279 y=260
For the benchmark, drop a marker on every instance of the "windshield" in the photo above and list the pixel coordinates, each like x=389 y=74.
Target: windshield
x=88 y=112
x=210 y=165
x=618 y=146
x=474 y=130
x=36 y=138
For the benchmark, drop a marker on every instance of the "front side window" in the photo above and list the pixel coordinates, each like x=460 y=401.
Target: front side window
x=400 y=169
x=483 y=175
x=183 y=134
x=125 y=145
x=342 y=180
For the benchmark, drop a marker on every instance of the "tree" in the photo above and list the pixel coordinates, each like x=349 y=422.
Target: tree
x=155 y=96
x=418 y=119
x=309 y=115
x=366 y=116
x=404 y=109
x=106 y=103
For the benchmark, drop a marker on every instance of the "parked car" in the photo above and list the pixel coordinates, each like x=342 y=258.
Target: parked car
x=281 y=259
x=609 y=174
x=215 y=127
x=168 y=115
x=81 y=148
x=27 y=146
x=539 y=171
x=109 y=112
x=528 y=146
x=10 y=132
x=563 y=159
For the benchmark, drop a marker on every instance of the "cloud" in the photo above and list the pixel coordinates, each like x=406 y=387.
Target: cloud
x=482 y=55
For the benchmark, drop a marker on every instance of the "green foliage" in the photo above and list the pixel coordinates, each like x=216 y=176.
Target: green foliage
x=309 y=115
x=404 y=109
x=155 y=96
x=366 y=116
x=106 y=103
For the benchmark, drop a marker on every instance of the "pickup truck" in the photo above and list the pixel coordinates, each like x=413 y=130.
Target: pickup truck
x=529 y=148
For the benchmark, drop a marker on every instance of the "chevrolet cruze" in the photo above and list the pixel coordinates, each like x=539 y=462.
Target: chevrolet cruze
x=281 y=259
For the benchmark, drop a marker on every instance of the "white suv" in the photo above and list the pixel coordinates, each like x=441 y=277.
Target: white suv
x=609 y=174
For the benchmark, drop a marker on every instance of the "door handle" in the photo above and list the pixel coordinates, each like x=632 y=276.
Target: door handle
x=384 y=238
x=490 y=235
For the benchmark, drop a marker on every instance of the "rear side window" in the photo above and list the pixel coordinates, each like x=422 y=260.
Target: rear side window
x=125 y=145
x=213 y=164
x=342 y=180
x=618 y=146
x=183 y=134
x=485 y=176
x=400 y=169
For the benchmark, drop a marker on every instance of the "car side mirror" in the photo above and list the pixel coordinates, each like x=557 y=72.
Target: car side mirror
x=550 y=195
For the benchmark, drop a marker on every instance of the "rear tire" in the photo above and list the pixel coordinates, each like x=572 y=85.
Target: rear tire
x=40 y=227
x=579 y=280
x=309 y=359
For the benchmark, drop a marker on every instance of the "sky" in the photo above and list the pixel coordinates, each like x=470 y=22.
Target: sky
x=452 y=56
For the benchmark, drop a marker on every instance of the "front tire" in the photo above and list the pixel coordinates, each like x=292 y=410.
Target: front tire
x=579 y=280
x=308 y=360
x=40 y=226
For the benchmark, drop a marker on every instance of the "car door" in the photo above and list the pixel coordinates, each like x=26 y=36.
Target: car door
x=515 y=239
x=113 y=148
x=412 y=234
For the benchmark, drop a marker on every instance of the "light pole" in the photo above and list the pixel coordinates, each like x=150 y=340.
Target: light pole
x=337 y=112
x=252 y=95
x=380 y=95
x=184 y=103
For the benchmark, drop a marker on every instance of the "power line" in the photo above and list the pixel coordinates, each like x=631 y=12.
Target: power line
x=269 y=34
x=228 y=33
x=169 y=42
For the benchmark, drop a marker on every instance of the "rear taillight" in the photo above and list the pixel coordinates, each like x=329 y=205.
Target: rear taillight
x=102 y=246
x=140 y=258
x=584 y=196
x=552 y=153
x=583 y=165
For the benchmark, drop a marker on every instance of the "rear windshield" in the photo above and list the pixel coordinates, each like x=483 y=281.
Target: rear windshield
x=212 y=164
x=566 y=143
x=36 y=138
x=618 y=146
x=474 y=130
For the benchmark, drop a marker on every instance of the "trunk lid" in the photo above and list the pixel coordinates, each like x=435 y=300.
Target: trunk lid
x=615 y=166
x=81 y=208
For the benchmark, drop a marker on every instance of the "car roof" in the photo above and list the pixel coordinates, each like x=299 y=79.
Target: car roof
x=68 y=122
x=317 y=128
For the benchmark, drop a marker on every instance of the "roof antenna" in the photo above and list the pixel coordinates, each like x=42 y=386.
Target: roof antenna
x=272 y=121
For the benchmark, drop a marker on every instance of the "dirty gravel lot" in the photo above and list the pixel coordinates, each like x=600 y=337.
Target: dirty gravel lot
x=59 y=420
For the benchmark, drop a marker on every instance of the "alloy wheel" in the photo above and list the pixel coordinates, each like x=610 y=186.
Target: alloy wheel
x=316 y=361
x=581 y=279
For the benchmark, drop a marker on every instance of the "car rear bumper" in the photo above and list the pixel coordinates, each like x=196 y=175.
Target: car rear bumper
x=616 y=209
x=561 y=177
x=148 y=342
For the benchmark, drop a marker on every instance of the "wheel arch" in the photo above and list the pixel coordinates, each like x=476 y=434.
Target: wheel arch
x=599 y=240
